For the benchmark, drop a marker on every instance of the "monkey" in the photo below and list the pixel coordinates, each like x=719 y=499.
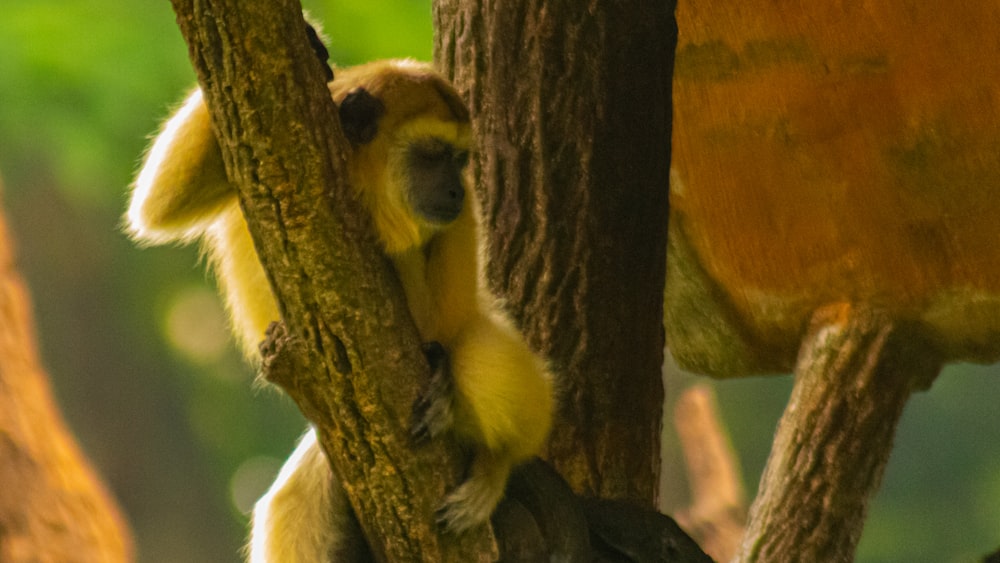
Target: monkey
x=410 y=139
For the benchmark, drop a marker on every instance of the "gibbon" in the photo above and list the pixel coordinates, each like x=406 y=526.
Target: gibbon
x=410 y=141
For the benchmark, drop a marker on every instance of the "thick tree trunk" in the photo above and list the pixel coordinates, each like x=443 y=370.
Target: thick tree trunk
x=357 y=359
x=53 y=508
x=572 y=113
x=855 y=372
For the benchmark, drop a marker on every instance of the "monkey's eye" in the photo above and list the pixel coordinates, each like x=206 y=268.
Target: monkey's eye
x=431 y=153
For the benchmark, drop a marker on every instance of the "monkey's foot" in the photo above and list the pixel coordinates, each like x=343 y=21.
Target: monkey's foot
x=468 y=505
x=432 y=411
x=471 y=503
x=280 y=354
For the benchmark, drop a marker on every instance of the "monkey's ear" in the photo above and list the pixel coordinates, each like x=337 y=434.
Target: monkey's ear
x=359 y=113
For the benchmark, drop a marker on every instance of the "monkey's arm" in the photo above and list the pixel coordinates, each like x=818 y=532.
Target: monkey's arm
x=501 y=404
x=182 y=186
x=305 y=491
x=502 y=388
x=502 y=396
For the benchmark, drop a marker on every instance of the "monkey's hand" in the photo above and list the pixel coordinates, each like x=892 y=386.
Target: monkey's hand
x=471 y=503
x=432 y=411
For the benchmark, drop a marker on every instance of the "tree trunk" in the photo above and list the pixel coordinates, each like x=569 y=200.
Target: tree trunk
x=355 y=374
x=53 y=508
x=855 y=372
x=571 y=105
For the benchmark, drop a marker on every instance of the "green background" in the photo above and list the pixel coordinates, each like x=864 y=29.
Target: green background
x=135 y=340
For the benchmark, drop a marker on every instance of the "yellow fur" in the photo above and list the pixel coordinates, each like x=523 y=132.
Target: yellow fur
x=304 y=491
x=503 y=395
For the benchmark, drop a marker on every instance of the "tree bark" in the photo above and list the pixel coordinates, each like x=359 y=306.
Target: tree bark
x=856 y=370
x=571 y=106
x=360 y=359
x=53 y=507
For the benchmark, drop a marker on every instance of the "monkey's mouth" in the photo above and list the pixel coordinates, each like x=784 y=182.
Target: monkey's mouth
x=444 y=210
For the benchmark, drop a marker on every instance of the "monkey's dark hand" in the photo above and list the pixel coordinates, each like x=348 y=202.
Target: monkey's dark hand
x=316 y=42
x=432 y=411
x=279 y=354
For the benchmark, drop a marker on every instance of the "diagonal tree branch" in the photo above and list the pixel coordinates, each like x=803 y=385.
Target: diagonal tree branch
x=358 y=350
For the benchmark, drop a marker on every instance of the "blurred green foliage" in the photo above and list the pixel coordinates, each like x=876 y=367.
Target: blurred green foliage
x=940 y=495
x=171 y=417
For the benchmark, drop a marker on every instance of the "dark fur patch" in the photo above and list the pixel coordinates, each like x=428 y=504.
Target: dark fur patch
x=359 y=114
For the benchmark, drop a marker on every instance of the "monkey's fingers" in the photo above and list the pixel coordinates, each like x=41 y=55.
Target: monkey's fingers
x=420 y=431
x=437 y=356
x=471 y=503
x=468 y=506
x=432 y=411
x=316 y=42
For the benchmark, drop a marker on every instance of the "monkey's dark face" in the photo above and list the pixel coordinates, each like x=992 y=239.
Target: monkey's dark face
x=434 y=169
x=426 y=155
x=410 y=137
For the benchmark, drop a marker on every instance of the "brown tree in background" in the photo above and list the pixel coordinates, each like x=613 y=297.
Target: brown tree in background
x=572 y=113
x=53 y=508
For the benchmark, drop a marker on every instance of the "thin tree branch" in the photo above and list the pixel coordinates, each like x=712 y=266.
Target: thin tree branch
x=717 y=515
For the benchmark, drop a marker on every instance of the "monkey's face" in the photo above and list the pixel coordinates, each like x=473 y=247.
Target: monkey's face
x=433 y=172
x=414 y=165
x=410 y=137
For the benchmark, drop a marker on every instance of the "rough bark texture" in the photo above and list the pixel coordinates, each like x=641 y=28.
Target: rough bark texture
x=344 y=309
x=571 y=109
x=53 y=508
x=855 y=372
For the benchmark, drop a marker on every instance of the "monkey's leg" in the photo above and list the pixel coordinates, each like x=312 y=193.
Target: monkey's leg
x=304 y=515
